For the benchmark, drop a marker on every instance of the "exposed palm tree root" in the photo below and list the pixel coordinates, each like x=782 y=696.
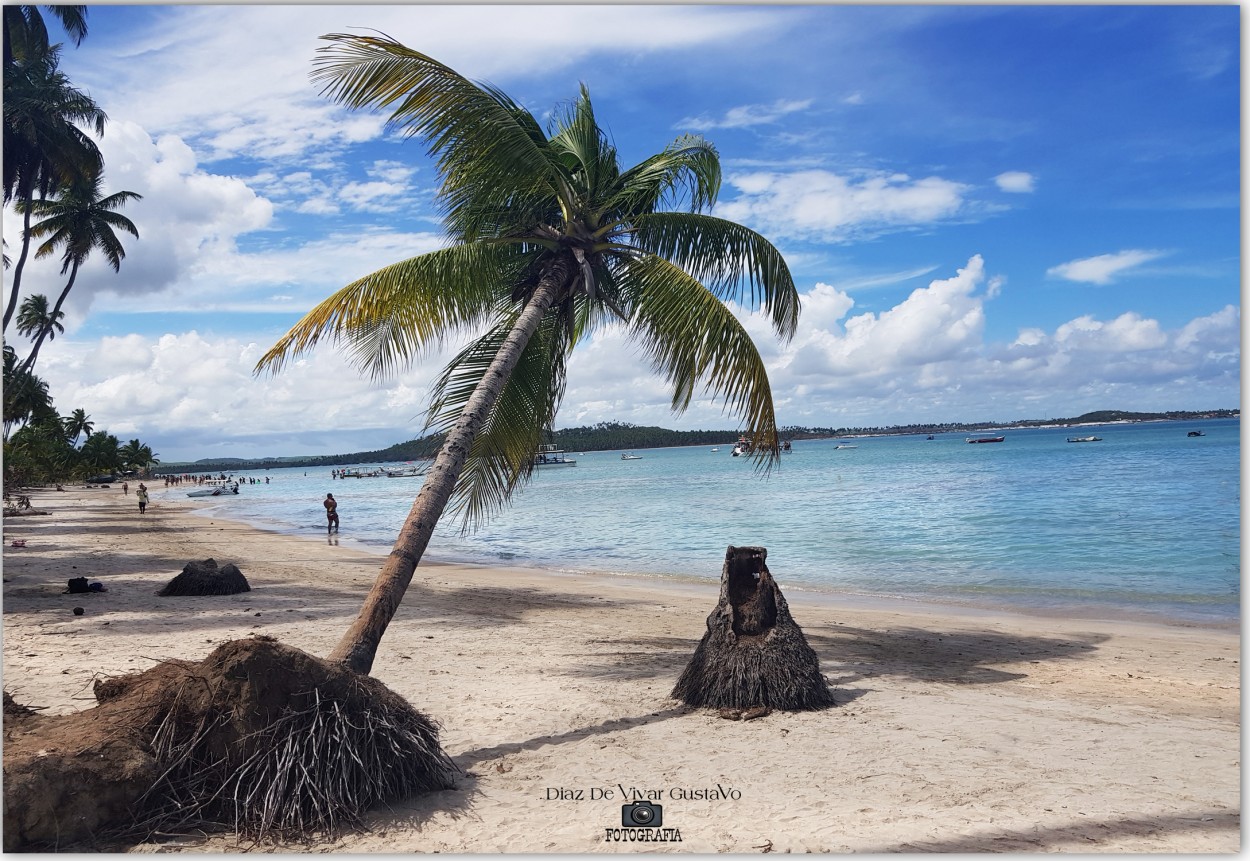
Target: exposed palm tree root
x=753 y=654
x=258 y=737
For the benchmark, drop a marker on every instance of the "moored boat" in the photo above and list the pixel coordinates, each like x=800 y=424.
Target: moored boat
x=412 y=471
x=1084 y=439
x=549 y=455
x=985 y=439
x=631 y=457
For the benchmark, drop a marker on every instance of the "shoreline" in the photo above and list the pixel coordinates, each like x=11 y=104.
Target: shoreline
x=953 y=731
x=795 y=592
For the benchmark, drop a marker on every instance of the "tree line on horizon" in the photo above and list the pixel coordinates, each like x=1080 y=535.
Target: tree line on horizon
x=617 y=436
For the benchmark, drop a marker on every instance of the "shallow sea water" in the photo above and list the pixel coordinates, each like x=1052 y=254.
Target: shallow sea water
x=1144 y=523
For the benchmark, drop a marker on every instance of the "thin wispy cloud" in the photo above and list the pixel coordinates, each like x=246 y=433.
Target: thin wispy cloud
x=744 y=116
x=1104 y=268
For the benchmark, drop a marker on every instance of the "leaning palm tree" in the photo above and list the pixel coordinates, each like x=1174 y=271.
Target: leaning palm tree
x=550 y=239
x=80 y=221
x=44 y=146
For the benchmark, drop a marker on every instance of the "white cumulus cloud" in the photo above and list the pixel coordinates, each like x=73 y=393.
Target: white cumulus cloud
x=823 y=204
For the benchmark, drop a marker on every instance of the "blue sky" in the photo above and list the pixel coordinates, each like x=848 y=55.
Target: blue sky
x=992 y=212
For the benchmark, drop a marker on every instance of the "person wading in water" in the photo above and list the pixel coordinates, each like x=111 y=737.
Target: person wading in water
x=332 y=513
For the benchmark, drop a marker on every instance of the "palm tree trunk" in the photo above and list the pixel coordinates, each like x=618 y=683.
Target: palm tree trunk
x=17 y=269
x=29 y=364
x=359 y=645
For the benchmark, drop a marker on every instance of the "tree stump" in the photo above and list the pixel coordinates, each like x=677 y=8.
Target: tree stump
x=753 y=654
x=205 y=578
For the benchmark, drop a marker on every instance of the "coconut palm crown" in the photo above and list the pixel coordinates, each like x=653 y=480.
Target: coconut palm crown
x=552 y=221
x=549 y=240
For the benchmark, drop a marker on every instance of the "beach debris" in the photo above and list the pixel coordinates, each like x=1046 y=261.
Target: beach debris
x=258 y=738
x=18 y=542
x=730 y=714
x=753 y=653
x=78 y=611
x=205 y=578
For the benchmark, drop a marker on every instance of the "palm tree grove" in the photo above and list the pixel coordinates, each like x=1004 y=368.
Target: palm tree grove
x=54 y=178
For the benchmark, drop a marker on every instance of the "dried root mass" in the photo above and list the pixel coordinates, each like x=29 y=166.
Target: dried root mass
x=258 y=737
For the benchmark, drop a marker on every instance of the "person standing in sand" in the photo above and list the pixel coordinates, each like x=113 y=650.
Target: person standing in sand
x=142 y=495
x=332 y=513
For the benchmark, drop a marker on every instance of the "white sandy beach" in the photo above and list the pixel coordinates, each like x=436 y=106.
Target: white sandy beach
x=953 y=732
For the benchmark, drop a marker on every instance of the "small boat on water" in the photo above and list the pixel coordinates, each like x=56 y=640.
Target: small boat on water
x=360 y=472
x=216 y=487
x=631 y=457
x=844 y=445
x=1196 y=433
x=1084 y=439
x=985 y=439
x=549 y=455
x=743 y=446
x=414 y=471
x=715 y=449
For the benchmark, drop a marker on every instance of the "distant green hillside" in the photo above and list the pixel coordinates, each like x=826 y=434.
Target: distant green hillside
x=615 y=436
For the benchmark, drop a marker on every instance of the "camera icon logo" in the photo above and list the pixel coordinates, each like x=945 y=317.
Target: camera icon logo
x=642 y=814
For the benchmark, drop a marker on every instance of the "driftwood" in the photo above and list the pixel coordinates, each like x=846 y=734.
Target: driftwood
x=753 y=654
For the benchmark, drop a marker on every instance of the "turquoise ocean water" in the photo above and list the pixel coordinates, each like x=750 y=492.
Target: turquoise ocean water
x=1145 y=522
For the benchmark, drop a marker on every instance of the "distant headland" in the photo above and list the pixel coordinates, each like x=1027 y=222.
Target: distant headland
x=611 y=436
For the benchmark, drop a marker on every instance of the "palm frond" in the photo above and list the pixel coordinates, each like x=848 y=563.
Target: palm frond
x=688 y=170
x=729 y=258
x=692 y=339
x=401 y=310
x=585 y=151
x=501 y=459
x=490 y=150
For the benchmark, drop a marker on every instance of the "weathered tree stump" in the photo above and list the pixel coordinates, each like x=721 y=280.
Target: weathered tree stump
x=753 y=654
x=205 y=578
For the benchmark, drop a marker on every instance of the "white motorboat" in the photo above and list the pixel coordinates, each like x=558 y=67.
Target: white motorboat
x=631 y=457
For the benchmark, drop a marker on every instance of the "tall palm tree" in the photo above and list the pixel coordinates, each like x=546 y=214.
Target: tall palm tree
x=78 y=423
x=35 y=316
x=138 y=455
x=101 y=452
x=26 y=397
x=79 y=221
x=26 y=32
x=550 y=239
x=44 y=146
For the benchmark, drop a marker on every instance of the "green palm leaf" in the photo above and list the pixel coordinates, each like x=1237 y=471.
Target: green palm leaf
x=691 y=338
x=501 y=459
x=728 y=258
x=491 y=152
x=391 y=315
